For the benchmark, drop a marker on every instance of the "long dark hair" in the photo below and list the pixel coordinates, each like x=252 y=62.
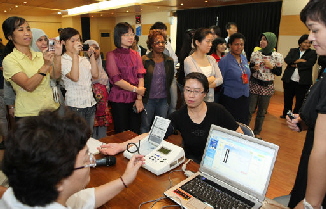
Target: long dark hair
x=8 y=28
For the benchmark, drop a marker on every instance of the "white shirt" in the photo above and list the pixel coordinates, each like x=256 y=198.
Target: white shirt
x=295 y=76
x=79 y=94
x=84 y=199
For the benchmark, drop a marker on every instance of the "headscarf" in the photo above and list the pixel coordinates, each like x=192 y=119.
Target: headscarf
x=103 y=77
x=36 y=33
x=271 y=43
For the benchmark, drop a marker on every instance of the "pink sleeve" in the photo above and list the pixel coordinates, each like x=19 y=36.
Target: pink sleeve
x=140 y=66
x=112 y=68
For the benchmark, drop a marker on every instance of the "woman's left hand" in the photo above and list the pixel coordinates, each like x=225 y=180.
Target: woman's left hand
x=90 y=51
x=57 y=48
x=139 y=105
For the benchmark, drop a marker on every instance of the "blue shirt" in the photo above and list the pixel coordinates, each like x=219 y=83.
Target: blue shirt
x=232 y=76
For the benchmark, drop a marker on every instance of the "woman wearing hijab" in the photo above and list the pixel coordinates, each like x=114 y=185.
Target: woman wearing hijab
x=264 y=65
x=40 y=43
x=101 y=88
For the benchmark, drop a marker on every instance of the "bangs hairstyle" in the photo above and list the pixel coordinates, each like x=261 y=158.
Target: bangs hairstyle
x=66 y=34
x=151 y=37
x=201 y=78
x=215 y=43
x=120 y=29
x=200 y=35
x=315 y=11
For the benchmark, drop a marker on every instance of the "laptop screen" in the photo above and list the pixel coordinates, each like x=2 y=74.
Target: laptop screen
x=239 y=160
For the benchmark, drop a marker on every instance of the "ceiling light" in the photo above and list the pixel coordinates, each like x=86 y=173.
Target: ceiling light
x=181 y=4
x=25 y=2
x=5 y=11
x=59 y=13
x=106 y=5
x=16 y=6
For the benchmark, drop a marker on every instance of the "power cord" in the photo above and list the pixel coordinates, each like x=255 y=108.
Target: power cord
x=136 y=147
x=187 y=172
x=163 y=197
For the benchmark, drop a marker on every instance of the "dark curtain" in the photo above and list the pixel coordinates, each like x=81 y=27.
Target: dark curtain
x=85 y=26
x=252 y=19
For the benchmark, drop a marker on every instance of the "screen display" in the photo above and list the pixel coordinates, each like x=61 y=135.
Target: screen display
x=239 y=160
x=164 y=150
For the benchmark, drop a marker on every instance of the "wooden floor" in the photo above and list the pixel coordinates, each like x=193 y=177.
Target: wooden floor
x=290 y=143
x=276 y=131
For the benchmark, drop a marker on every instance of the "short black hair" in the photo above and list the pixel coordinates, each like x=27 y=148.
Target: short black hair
x=200 y=35
x=199 y=77
x=215 y=43
x=303 y=38
x=120 y=29
x=59 y=30
x=66 y=34
x=151 y=37
x=41 y=152
x=216 y=29
x=236 y=36
x=159 y=25
x=229 y=24
x=315 y=11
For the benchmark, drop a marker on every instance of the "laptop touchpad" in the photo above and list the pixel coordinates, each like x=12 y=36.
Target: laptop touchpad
x=196 y=204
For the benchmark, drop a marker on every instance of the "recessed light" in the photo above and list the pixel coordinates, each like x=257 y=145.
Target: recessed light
x=127 y=11
x=5 y=11
x=59 y=13
x=206 y=1
x=25 y=2
x=16 y=6
x=181 y=4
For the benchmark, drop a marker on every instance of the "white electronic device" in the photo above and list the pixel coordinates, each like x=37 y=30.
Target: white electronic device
x=160 y=156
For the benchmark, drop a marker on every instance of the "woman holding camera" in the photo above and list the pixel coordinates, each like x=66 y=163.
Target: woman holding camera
x=77 y=74
x=28 y=71
x=126 y=73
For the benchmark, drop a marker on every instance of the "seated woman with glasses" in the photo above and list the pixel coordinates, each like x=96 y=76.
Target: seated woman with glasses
x=48 y=165
x=193 y=120
x=199 y=61
x=158 y=80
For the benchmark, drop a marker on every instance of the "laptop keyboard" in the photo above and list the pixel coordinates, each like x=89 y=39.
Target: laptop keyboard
x=215 y=195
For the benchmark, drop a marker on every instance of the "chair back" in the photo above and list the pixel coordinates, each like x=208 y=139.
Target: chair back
x=246 y=129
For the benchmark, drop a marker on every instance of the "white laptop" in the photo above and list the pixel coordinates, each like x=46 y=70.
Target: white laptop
x=234 y=173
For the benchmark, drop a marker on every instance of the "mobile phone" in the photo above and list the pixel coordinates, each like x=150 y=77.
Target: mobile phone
x=85 y=47
x=291 y=116
x=51 y=44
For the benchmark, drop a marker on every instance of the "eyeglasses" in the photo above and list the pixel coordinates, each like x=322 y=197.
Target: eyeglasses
x=196 y=92
x=92 y=162
x=129 y=34
x=160 y=42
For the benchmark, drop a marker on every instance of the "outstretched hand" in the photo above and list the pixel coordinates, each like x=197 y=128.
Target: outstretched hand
x=132 y=168
x=111 y=148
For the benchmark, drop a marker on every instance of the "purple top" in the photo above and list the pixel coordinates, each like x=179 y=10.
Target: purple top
x=125 y=64
x=158 y=82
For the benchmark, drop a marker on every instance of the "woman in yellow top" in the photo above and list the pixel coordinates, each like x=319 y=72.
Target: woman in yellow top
x=29 y=72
